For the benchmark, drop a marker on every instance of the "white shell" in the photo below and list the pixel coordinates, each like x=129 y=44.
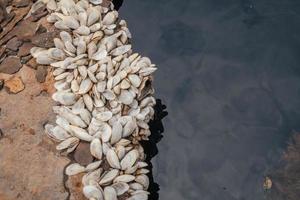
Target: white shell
x=67 y=143
x=110 y=193
x=110 y=17
x=124 y=178
x=121 y=50
x=113 y=159
x=74 y=169
x=92 y=192
x=116 y=134
x=129 y=159
x=96 y=2
x=104 y=116
x=93 y=16
x=126 y=97
x=109 y=176
x=81 y=133
x=93 y=166
x=85 y=86
x=143 y=180
x=120 y=187
x=96 y=148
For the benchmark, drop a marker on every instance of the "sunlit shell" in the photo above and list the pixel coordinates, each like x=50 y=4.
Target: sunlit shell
x=110 y=193
x=96 y=2
x=85 y=86
x=104 y=116
x=124 y=178
x=74 y=169
x=96 y=148
x=120 y=187
x=67 y=143
x=109 y=176
x=81 y=133
x=126 y=97
x=92 y=176
x=71 y=118
x=82 y=30
x=110 y=18
x=121 y=50
x=93 y=166
x=92 y=192
x=116 y=132
x=129 y=159
x=113 y=159
x=143 y=180
x=93 y=16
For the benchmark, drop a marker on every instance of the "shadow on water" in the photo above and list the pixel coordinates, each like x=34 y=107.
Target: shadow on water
x=117 y=4
x=150 y=146
x=156 y=128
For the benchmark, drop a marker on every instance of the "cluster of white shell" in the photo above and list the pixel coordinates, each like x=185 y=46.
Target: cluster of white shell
x=104 y=97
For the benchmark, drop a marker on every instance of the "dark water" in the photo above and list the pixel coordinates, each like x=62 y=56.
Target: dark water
x=229 y=74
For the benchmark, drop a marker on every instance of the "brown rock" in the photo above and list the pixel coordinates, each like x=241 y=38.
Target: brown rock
x=1 y=84
x=38 y=12
x=41 y=73
x=25 y=49
x=31 y=168
x=36 y=17
x=14 y=43
x=48 y=86
x=45 y=40
x=14 y=85
x=26 y=29
x=82 y=154
x=32 y=63
x=21 y=3
x=25 y=59
x=20 y=13
x=2 y=50
x=75 y=186
x=3 y=13
x=8 y=19
x=10 y=52
x=10 y=65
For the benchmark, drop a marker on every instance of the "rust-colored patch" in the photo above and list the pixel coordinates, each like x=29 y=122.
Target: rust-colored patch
x=14 y=85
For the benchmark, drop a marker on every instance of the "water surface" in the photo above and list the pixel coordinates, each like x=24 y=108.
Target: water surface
x=229 y=74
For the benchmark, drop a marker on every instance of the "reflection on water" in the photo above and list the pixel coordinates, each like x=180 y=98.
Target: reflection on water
x=229 y=74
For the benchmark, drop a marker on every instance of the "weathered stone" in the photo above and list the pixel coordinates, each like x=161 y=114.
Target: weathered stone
x=20 y=13
x=3 y=13
x=25 y=59
x=36 y=17
x=2 y=50
x=14 y=43
x=82 y=154
x=32 y=63
x=1 y=84
x=10 y=65
x=75 y=186
x=21 y=3
x=14 y=85
x=38 y=12
x=45 y=39
x=42 y=178
x=26 y=29
x=25 y=49
x=9 y=18
x=41 y=73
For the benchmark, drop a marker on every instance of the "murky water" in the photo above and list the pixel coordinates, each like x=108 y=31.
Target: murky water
x=229 y=74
